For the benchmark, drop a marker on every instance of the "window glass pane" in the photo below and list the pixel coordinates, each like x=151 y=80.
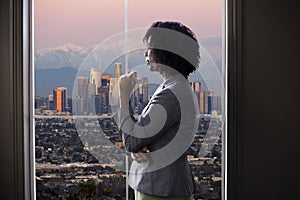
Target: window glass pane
x=70 y=160
x=81 y=49
x=204 y=18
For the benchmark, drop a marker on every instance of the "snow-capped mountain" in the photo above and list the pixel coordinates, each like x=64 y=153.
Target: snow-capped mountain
x=56 y=67
x=70 y=55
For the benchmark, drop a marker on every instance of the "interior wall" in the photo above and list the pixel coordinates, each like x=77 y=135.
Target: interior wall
x=269 y=116
x=6 y=136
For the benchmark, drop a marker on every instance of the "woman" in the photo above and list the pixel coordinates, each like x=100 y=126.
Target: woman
x=161 y=136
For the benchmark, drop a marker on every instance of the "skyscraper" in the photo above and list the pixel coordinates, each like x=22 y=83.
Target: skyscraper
x=196 y=87
x=208 y=102
x=38 y=102
x=103 y=92
x=114 y=93
x=103 y=100
x=145 y=91
x=78 y=105
x=114 y=88
x=90 y=102
x=82 y=82
x=105 y=79
x=139 y=97
x=217 y=104
x=83 y=92
x=60 y=99
x=50 y=104
x=201 y=102
x=118 y=70
x=95 y=79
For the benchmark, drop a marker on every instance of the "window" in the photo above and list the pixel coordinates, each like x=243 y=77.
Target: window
x=76 y=144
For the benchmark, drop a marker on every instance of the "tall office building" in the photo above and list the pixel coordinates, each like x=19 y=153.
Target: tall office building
x=83 y=92
x=50 y=104
x=201 y=102
x=95 y=79
x=70 y=105
x=114 y=87
x=60 y=99
x=90 y=103
x=77 y=105
x=140 y=95
x=208 y=102
x=118 y=70
x=105 y=79
x=217 y=104
x=114 y=93
x=103 y=100
x=38 y=102
x=145 y=91
x=82 y=82
x=103 y=95
x=196 y=87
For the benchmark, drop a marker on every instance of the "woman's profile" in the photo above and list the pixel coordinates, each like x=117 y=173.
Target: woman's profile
x=160 y=137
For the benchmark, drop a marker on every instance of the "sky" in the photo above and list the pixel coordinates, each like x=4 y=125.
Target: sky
x=89 y=22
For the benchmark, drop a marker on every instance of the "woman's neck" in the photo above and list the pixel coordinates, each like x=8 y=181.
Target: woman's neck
x=165 y=75
x=167 y=72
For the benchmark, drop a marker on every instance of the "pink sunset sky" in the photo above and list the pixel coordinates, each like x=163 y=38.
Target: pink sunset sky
x=89 y=22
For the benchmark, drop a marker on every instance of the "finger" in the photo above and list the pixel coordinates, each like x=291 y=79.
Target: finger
x=143 y=157
x=145 y=150
x=137 y=158
x=140 y=157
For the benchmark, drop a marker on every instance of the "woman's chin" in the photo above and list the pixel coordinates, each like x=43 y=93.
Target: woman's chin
x=153 y=68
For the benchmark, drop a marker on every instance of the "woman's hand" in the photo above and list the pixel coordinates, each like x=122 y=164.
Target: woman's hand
x=126 y=85
x=141 y=155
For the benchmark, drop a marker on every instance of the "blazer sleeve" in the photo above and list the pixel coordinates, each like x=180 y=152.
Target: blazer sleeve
x=161 y=113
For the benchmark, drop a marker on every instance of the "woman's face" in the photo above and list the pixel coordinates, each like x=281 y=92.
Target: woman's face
x=150 y=60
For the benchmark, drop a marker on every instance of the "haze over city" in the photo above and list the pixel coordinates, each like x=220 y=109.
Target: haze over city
x=89 y=22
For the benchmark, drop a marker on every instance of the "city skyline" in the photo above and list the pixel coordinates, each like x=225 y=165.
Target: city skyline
x=98 y=94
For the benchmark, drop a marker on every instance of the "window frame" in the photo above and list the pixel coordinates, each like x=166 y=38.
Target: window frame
x=21 y=46
x=20 y=62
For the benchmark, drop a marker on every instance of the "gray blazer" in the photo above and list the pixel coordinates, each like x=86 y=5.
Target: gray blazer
x=166 y=126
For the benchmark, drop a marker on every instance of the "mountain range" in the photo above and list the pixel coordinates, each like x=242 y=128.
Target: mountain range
x=70 y=55
x=58 y=66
